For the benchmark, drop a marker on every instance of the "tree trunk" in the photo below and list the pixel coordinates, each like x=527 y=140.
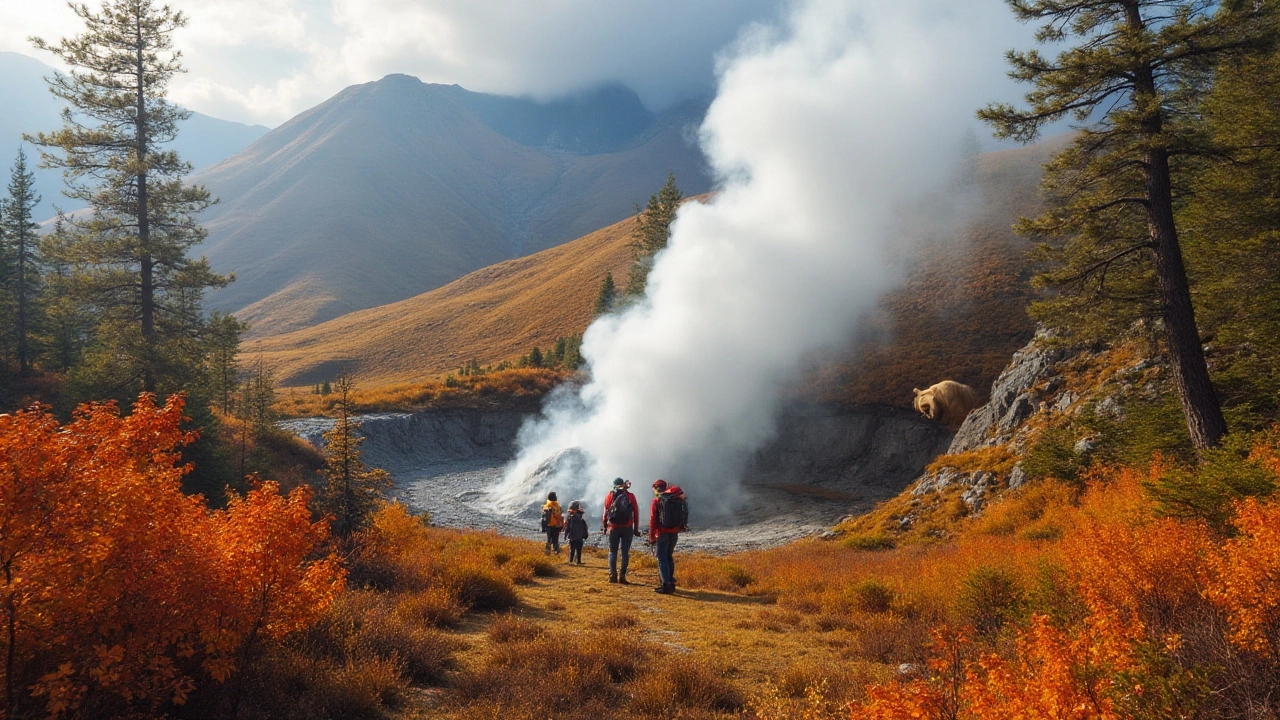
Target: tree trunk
x=146 y=277
x=1190 y=371
x=24 y=360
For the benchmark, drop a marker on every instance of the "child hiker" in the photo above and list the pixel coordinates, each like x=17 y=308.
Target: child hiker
x=575 y=530
x=552 y=523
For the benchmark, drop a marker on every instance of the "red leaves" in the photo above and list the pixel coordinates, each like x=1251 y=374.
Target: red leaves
x=115 y=581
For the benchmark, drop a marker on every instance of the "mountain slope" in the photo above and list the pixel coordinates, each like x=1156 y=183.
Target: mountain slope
x=26 y=106
x=960 y=313
x=395 y=187
x=495 y=313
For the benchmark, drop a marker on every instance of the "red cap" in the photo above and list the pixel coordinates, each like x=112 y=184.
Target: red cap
x=660 y=485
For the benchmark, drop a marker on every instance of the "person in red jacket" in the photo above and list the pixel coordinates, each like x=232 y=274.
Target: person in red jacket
x=663 y=535
x=622 y=521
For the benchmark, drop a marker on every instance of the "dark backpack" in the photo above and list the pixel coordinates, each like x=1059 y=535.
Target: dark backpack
x=621 y=511
x=673 y=511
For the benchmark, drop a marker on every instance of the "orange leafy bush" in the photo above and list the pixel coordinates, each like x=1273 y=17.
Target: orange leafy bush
x=1246 y=578
x=120 y=592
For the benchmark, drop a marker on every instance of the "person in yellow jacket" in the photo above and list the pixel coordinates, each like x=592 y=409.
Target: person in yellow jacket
x=552 y=523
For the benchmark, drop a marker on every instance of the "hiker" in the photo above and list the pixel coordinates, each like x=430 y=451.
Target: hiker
x=668 y=516
x=552 y=522
x=622 y=521
x=575 y=530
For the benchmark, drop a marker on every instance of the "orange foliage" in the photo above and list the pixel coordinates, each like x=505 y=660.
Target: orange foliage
x=1245 y=580
x=118 y=589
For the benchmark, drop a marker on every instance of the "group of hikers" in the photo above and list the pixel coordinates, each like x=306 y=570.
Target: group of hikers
x=668 y=517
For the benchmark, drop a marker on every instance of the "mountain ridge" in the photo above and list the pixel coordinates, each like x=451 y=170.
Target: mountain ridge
x=395 y=187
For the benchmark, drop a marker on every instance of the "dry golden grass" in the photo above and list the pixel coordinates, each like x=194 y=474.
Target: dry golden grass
x=494 y=314
x=514 y=388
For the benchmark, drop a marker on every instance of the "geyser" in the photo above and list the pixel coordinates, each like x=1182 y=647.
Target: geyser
x=823 y=134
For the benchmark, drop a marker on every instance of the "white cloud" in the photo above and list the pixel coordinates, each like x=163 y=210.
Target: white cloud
x=266 y=60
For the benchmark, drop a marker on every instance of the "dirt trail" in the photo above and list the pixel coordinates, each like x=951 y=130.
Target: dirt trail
x=751 y=637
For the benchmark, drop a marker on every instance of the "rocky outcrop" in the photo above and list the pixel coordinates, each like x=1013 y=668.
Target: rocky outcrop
x=1013 y=399
x=879 y=449
x=406 y=442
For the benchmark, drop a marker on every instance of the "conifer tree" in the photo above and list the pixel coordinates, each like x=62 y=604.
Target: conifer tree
x=66 y=320
x=653 y=230
x=111 y=147
x=1133 y=75
x=607 y=296
x=21 y=235
x=223 y=339
x=352 y=490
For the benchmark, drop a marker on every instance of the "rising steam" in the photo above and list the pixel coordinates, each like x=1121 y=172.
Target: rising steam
x=823 y=134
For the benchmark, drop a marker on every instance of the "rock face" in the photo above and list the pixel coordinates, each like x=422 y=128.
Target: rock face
x=406 y=442
x=867 y=452
x=876 y=449
x=1012 y=400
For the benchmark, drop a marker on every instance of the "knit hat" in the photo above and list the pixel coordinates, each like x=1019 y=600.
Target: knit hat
x=660 y=485
x=619 y=482
x=575 y=506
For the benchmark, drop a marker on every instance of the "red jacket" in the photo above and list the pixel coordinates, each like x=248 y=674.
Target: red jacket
x=654 y=527
x=635 y=512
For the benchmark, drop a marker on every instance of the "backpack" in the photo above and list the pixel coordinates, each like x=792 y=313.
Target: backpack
x=621 y=510
x=673 y=511
x=551 y=518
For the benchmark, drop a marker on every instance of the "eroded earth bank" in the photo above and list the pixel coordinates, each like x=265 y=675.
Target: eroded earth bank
x=824 y=463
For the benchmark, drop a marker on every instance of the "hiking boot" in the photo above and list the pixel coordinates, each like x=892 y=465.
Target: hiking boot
x=613 y=578
x=622 y=580
x=664 y=589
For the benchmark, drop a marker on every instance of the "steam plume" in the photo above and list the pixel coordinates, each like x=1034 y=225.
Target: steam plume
x=822 y=134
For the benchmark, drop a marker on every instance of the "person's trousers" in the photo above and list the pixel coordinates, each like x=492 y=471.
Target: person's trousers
x=665 y=549
x=620 y=539
x=553 y=540
x=575 y=550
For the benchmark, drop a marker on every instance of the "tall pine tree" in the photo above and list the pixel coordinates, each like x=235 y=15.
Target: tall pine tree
x=131 y=250
x=21 y=235
x=1132 y=71
x=653 y=229
x=352 y=490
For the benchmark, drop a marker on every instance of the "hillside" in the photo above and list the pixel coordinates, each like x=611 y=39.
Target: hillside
x=492 y=314
x=959 y=314
x=397 y=187
x=26 y=106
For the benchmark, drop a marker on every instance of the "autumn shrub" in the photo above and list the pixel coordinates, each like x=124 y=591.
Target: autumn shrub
x=435 y=607
x=868 y=541
x=1209 y=490
x=122 y=594
x=481 y=588
x=683 y=683
x=716 y=573
x=872 y=596
x=990 y=598
x=618 y=619
x=997 y=458
x=509 y=628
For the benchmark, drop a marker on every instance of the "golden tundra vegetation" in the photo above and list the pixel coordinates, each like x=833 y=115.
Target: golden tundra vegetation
x=1062 y=599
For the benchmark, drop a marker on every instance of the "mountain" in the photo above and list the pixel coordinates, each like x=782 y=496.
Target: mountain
x=395 y=187
x=495 y=313
x=959 y=314
x=27 y=106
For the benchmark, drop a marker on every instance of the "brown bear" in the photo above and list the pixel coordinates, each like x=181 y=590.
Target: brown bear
x=948 y=402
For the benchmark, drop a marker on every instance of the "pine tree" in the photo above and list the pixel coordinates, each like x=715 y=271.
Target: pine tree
x=21 y=235
x=653 y=230
x=67 y=322
x=535 y=357
x=352 y=490
x=223 y=340
x=133 y=245
x=607 y=296
x=1134 y=75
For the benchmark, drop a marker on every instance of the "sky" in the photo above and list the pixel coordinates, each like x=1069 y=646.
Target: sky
x=263 y=61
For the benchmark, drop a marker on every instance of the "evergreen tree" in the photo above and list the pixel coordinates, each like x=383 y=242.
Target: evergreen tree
x=653 y=230
x=607 y=296
x=352 y=490
x=134 y=270
x=1134 y=75
x=66 y=320
x=535 y=357
x=223 y=340
x=21 y=236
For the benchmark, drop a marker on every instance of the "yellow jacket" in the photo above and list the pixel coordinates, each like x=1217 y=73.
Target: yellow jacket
x=555 y=518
